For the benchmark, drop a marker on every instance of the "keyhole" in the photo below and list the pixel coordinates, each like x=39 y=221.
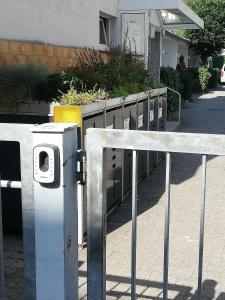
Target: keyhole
x=44 y=161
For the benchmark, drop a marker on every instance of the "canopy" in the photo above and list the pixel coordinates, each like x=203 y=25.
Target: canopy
x=175 y=14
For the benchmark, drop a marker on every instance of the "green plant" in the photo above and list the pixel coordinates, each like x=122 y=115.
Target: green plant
x=218 y=62
x=172 y=79
x=215 y=78
x=73 y=97
x=117 y=68
x=119 y=91
x=21 y=82
x=210 y=40
x=194 y=73
x=51 y=87
x=188 y=86
x=204 y=77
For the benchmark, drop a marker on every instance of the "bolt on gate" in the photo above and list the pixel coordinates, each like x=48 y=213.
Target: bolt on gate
x=98 y=140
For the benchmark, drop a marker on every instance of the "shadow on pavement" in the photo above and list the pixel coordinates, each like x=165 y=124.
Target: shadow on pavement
x=120 y=287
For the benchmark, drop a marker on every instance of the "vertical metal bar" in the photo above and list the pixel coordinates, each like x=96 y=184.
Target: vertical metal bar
x=96 y=222
x=137 y=113
x=105 y=116
x=202 y=226
x=122 y=190
x=1 y=252
x=166 y=116
x=158 y=113
x=148 y=154
x=134 y=226
x=180 y=104
x=167 y=227
x=157 y=153
x=28 y=216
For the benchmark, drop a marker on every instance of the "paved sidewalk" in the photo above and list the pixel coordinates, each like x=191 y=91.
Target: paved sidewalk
x=206 y=115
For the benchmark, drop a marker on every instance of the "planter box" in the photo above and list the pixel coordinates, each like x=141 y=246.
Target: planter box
x=42 y=108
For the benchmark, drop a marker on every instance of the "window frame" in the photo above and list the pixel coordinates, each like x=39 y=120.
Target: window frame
x=105 y=23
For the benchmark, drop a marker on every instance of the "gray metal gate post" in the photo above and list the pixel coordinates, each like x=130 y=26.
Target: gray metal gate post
x=99 y=139
x=20 y=133
x=55 y=192
x=1 y=252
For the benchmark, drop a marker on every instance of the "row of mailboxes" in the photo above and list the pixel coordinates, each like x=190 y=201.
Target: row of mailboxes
x=131 y=114
x=146 y=114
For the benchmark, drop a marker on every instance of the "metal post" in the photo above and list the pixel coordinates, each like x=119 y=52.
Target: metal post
x=167 y=227
x=20 y=133
x=122 y=190
x=134 y=226
x=202 y=226
x=1 y=253
x=105 y=116
x=137 y=112
x=96 y=221
x=179 y=103
x=157 y=153
x=56 y=211
x=148 y=154
x=166 y=116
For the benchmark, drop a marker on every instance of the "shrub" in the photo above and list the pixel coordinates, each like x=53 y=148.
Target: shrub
x=188 y=86
x=204 y=77
x=215 y=77
x=218 y=62
x=21 y=82
x=194 y=73
x=172 y=79
x=73 y=97
x=118 y=70
x=51 y=87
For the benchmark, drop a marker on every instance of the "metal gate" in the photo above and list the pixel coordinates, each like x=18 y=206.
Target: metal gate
x=98 y=140
x=49 y=208
x=21 y=133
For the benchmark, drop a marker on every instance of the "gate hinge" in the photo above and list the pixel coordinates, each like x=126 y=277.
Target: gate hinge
x=81 y=167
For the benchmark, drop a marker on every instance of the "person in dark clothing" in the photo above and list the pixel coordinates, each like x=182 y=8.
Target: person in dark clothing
x=187 y=83
x=181 y=66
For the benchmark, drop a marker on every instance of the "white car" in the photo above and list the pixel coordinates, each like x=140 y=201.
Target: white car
x=222 y=74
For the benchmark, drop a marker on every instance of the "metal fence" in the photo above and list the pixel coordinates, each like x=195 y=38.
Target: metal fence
x=98 y=140
x=21 y=133
x=1 y=252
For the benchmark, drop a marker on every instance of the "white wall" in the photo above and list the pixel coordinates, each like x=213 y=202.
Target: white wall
x=69 y=22
x=169 y=52
x=183 y=49
x=154 y=18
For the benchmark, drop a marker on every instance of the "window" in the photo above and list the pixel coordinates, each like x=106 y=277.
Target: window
x=104 y=31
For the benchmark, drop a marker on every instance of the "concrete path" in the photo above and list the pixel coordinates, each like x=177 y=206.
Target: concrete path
x=206 y=115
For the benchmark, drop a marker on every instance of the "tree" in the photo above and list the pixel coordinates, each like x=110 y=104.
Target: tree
x=209 y=41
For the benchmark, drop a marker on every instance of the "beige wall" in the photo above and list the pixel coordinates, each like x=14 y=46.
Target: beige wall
x=55 y=58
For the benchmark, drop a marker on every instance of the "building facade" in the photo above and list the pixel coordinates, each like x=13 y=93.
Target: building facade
x=173 y=47
x=51 y=32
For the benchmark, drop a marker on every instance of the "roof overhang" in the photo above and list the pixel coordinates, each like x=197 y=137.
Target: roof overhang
x=175 y=14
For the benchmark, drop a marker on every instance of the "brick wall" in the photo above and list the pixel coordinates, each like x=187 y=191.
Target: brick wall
x=55 y=58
